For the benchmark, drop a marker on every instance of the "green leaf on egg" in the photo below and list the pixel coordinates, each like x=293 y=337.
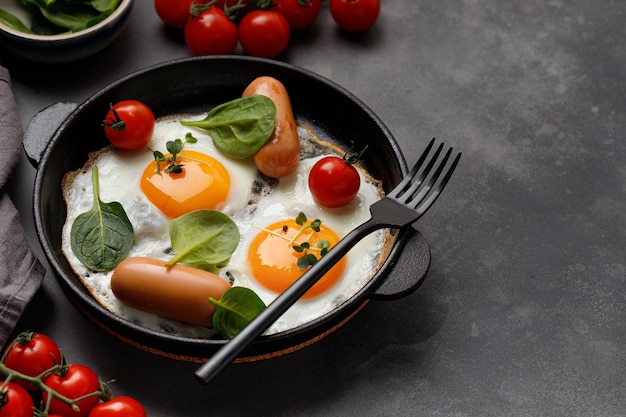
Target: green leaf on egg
x=237 y=307
x=240 y=127
x=203 y=239
x=103 y=236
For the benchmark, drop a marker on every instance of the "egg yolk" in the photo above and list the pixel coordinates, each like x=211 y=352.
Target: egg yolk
x=203 y=183
x=274 y=262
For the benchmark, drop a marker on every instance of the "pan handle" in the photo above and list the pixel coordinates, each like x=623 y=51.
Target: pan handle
x=41 y=128
x=409 y=270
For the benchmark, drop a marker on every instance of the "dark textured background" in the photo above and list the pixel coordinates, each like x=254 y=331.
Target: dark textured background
x=524 y=309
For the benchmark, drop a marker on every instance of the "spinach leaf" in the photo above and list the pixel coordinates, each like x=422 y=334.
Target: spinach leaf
x=104 y=6
x=101 y=237
x=59 y=14
x=42 y=26
x=237 y=307
x=13 y=21
x=203 y=239
x=240 y=127
x=72 y=16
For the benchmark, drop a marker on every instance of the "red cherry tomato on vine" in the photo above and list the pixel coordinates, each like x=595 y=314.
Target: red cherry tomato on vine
x=264 y=33
x=16 y=401
x=33 y=354
x=121 y=406
x=129 y=124
x=76 y=382
x=355 y=15
x=174 y=13
x=334 y=182
x=300 y=14
x=211 y=33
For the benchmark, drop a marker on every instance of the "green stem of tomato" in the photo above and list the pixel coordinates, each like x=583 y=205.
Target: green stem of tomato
x=38 y=382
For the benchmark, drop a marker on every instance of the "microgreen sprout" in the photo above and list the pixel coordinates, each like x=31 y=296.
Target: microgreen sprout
x=116 y=123
x=174 y=147
x=308 y=259
x=354 y=158
x=320 y=247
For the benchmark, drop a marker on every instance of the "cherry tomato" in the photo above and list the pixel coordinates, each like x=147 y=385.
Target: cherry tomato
x=300 y=14
x=355 y=15
x=211 y=33
x=77 y=381
x=129 y=124
x=174 y=13
x=15 y=401
x=264 y=33
x=334 y=182
x=33 y=354
x=121 y=406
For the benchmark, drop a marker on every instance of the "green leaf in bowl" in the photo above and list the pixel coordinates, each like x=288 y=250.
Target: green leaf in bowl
x=13 y=21
x=72 y=16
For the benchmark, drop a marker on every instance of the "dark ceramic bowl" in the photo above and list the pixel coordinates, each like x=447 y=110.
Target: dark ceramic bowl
x=63 y=47
x=196 y=85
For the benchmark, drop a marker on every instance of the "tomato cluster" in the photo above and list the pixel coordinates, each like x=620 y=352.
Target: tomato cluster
x=35 y=372
x=262 y=27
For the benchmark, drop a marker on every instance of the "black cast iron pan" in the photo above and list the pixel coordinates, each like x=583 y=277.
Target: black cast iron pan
x=195 y=85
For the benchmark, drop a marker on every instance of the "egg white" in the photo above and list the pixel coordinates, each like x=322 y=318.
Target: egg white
x=253 y=201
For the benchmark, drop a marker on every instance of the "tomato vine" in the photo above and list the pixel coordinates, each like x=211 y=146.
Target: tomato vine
x=16 y=363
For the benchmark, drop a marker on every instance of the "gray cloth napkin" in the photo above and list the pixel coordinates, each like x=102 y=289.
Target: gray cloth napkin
x=21 y=273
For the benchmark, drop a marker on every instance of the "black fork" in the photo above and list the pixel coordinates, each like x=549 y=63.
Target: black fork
x=401 y=207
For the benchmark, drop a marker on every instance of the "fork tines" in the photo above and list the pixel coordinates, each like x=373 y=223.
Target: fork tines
x=412 y=190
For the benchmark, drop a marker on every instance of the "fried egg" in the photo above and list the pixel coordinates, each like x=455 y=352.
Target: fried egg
x=268 y=264
x=262 y=208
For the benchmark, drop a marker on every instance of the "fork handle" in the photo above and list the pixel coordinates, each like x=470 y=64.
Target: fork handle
x=229 y=352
